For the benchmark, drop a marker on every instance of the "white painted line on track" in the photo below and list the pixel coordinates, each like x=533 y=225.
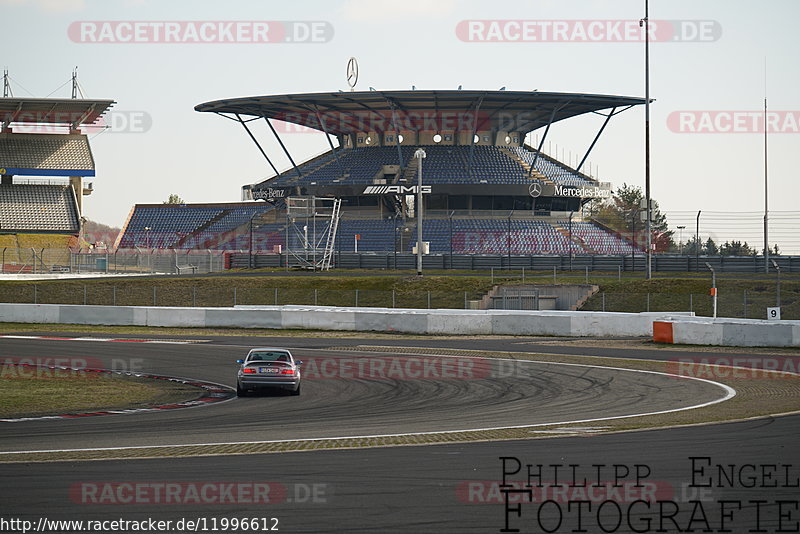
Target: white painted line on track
x=729 y=394
x=108 y=339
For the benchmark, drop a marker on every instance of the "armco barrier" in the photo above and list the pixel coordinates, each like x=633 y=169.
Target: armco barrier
x=728 y=332
x=412 y=321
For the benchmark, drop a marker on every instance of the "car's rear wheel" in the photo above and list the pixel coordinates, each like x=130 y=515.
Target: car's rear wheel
x=296 y=391
x=240 y=392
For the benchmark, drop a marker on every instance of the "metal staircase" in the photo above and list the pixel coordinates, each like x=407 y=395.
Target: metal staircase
x=330 y=244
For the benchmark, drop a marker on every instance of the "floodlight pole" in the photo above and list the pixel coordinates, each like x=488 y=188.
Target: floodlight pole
x=646 y=21
x=766 y=196
x=420 y=155
x=680 y=239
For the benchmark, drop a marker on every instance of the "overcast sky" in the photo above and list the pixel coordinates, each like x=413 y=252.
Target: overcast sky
x=711 y=60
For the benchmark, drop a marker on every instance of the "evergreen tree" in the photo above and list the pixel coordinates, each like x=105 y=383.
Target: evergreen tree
x=621 y=213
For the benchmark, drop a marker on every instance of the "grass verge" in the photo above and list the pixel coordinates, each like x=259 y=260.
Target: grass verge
x=28 y=391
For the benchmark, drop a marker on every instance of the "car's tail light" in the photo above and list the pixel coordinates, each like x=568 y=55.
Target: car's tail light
x=249 y=371
x=287 y=372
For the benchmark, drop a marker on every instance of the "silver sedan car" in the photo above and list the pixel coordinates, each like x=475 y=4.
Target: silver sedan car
x=265 y=368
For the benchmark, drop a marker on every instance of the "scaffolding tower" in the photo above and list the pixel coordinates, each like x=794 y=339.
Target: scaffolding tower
x=311 y=226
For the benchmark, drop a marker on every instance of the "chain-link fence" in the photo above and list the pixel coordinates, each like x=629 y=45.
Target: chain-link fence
x=136 y=261
x=745 y=304
x=742 y=304
x=175 y=295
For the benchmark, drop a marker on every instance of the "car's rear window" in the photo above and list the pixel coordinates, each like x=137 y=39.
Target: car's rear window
x=269 y=356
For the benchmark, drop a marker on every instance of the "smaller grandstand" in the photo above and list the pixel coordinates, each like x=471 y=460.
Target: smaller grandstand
x=44 y=158
x=38 y=209
x=196 y=226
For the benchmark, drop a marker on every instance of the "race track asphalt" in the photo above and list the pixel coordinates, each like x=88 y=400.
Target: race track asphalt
x=437 y=488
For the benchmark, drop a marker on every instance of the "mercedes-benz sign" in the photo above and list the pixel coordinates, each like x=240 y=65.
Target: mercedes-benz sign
x=352 y=72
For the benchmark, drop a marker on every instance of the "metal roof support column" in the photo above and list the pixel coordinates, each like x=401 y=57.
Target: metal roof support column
x=328 y=137
x=541 y=143
x=472 y=139
x=396 y=135
x=257 y=143
x=596 y=137
x=280 y=142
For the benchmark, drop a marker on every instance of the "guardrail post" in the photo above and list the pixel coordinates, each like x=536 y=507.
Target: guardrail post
x=315 y=296
x=394 y=304
x=619 y=272
x=523 y=275
x=154 y=295
x=466 y=306
x=276 y=296
x=429 y=300
x=35 y=294
x=357 y=292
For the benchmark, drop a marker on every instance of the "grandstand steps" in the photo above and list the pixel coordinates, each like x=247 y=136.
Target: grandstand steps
x=536 y=175
x=197 y=231
x=310 y=166
x=616 y=234
x=409 y=175
x=575 y=238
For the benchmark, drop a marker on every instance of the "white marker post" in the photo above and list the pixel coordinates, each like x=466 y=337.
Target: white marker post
x=713 y=291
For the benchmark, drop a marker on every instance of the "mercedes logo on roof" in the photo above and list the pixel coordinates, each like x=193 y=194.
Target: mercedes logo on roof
x=535 y=189
x=352 y=72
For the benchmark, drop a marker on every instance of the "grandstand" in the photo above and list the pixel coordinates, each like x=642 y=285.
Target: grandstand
x=34 y=199
x=485 y=190
x=190 y=226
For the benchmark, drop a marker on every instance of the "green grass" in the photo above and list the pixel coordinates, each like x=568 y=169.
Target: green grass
x=735 y=296
x=448 y=290
x=31 y=392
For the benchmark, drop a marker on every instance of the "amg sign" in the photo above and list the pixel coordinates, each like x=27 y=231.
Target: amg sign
x=395 y=189
x=581 y=192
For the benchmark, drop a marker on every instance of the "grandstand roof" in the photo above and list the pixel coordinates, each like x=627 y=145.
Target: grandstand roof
x=349 y=112
x=52 y=110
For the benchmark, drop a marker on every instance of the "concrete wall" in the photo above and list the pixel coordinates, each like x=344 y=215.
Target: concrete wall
x=412 y=321
x=728 y=332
